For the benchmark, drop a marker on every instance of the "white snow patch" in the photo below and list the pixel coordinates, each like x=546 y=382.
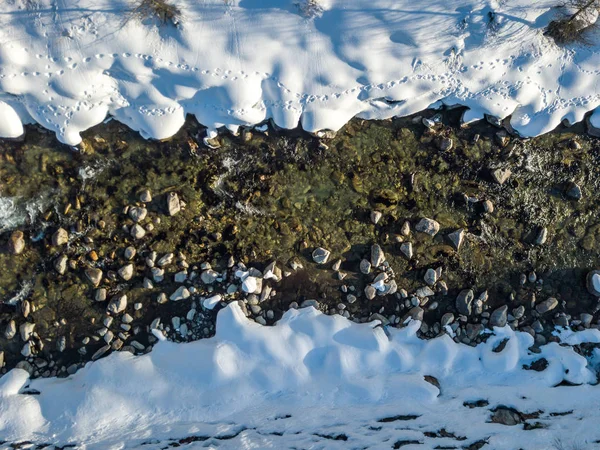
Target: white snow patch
x=69 y=64
x=308 y=377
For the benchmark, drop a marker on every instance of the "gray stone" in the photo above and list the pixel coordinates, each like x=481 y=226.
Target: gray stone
x=60 y=264
x=573 y=191
x=506 y=416
x=146 y=196
x=117 y=304
x=430 y=277
x=586 y=319
x=180 y=294
x=541 y=236
x=464 y=301
x=100 y=352
x=137 y=213
x=593 y=282
x=415 y=313
x=60 y=237
x=320 y=255
x=456 y=238
x=447 y=319
x=377 y=256
x=126 y=272
x=488 y=206
x=173 y=203
x=16 y=243
x=365 y=267
x=376 y=217
x=94 y=275
x=129 y=253
x=307 y=303
x=11 y=330
x=209 y=276
x=137 y=232
x=428 y=226
x=370 y=292
x=500 y=176
x=407 y=250
x=165 y=260
x=546 y=305
x=445 y=144
x=26 y=330
x=499 y=317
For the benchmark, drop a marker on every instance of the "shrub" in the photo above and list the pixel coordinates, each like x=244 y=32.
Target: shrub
x=310 y=8
x=160 y=10
x=571 y=28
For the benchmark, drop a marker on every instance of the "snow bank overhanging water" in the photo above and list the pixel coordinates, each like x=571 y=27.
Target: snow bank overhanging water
x=69 y=64
x=309 y=376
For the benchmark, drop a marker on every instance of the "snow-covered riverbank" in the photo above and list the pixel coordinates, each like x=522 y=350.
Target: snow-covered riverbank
x=67 y=64
x=314 y=378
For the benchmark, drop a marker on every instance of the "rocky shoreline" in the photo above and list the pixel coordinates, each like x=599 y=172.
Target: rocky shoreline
x=415 y=218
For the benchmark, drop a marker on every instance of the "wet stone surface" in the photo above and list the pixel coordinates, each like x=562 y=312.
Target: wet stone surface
x=463 y=228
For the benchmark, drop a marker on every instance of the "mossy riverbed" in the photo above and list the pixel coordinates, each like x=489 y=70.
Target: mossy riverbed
x=260 y=197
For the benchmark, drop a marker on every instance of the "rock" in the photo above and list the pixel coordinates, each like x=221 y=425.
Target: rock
x=26 y=350
x=336 y=265
x=117 y=305
x=308 y=303
x=405 y=230
x=158 y=274
x=181 y=276
x=60 y=237
x=445 y=144
x=500 y=176
x=250 y=284
x=137 y=232
x=487 y=206
x=129 y=253
x=377 y=256
x=428 y=226
x=499 y=317
x=506 y=416
x=376 y=217
x=593 y=282
x=25 y=308
x=464 y=301
x=430 y=277
x=424 y=292
x=60 y=264
x=573 y=191
x=166 y=259
x=586 y=319
x=546 y=305
x=370 y=292
x=94 y=275
x=541 y=236
x=407 y=250
x=137 y=213
x=518 y=312
x=320 y=255
x=456 y=238
x=162 y=298
x=180 y=294
x=26 y=330
x=10 y=330
x=126 y=272
x=16 y=243
x=365 y=267
x=145 y=196
x=447 y=319
x=415 y=313
x=100 y=352
x=211 y=302
x=209 y=276
x=173 y=203
x=1 y=359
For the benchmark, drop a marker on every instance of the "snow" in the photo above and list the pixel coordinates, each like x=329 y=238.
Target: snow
x=68 y=64
x=308 y=377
